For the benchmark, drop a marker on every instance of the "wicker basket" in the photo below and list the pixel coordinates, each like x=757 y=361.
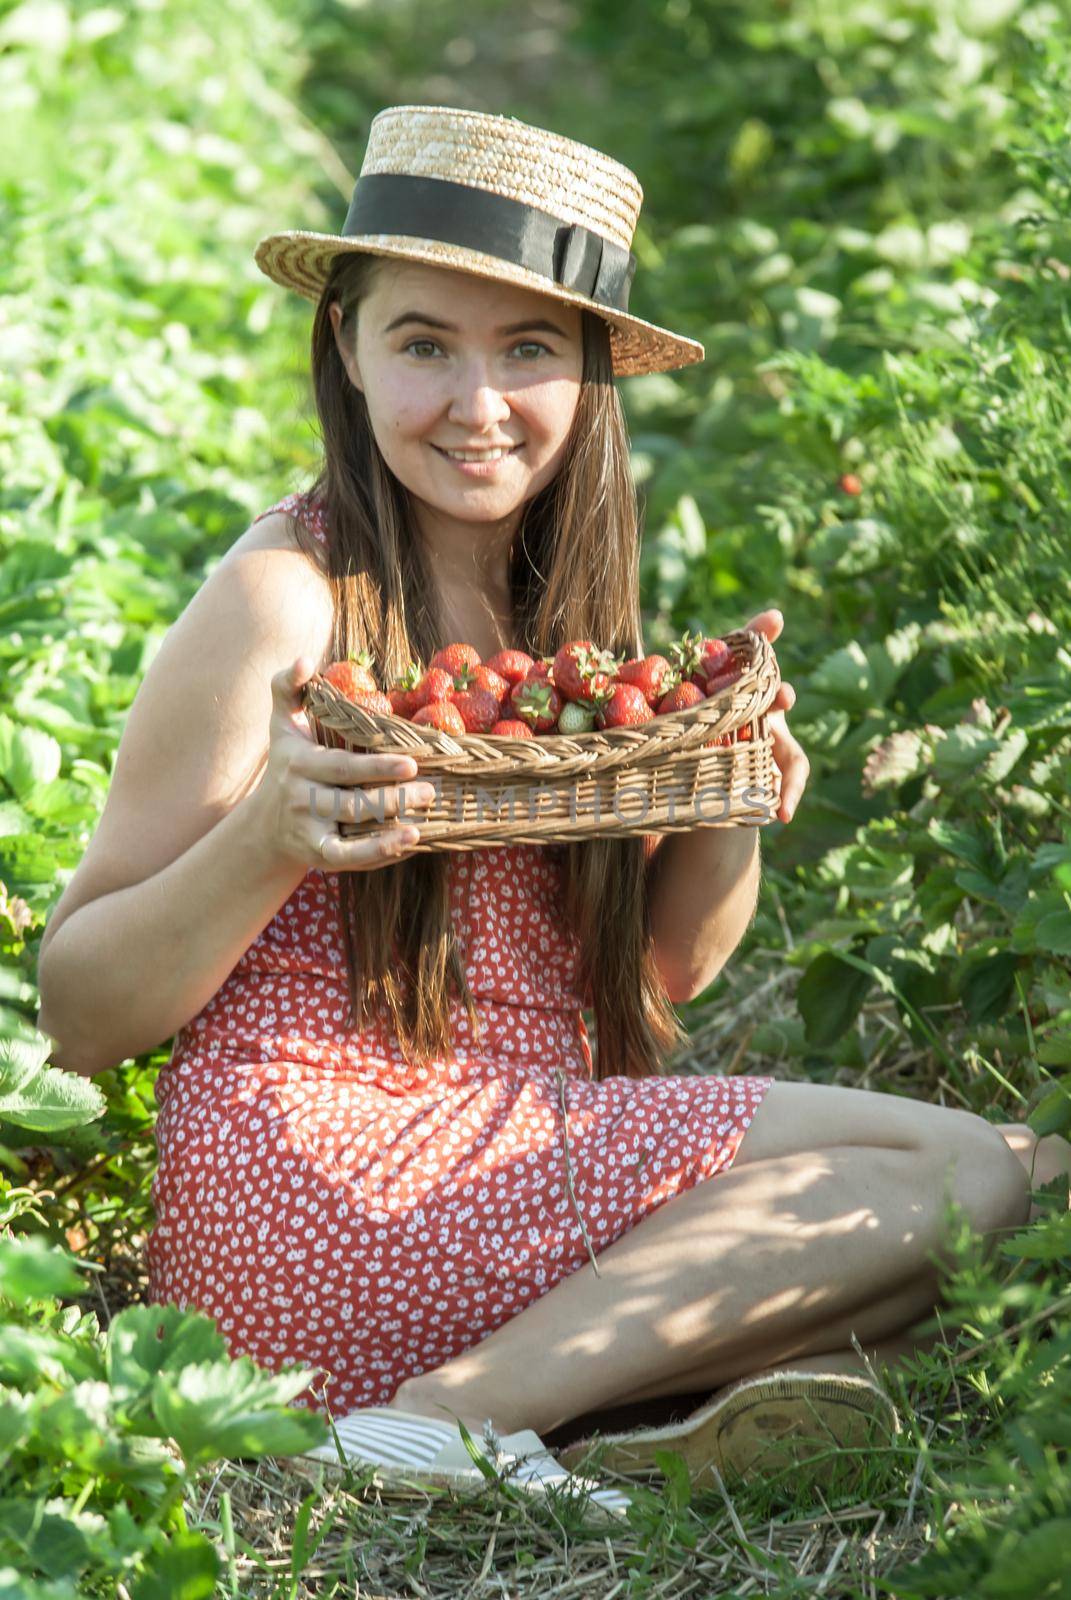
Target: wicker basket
x=663 y=777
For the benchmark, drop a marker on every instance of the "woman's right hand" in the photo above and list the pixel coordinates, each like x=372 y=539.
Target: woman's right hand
x=308 y=788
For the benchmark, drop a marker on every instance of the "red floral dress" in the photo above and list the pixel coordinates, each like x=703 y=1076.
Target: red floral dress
x=329 y=1204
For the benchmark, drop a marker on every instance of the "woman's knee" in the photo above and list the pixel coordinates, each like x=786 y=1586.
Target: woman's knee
x=990 y=1180
x=795 y=1117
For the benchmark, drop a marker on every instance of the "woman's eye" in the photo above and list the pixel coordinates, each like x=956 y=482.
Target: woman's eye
x=526 y=344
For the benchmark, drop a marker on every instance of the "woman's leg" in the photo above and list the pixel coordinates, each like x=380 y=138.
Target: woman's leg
x=1042 y=1159
x=824 y=1226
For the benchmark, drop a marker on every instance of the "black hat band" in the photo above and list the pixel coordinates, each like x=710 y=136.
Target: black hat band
x=456 y=213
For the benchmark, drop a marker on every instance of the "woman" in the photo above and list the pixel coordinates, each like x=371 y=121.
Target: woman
x=408 y=1176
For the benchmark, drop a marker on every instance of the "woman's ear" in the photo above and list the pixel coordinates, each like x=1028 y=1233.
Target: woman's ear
x=344 y=344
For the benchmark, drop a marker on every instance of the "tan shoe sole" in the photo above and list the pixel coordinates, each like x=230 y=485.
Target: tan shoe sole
x=759 y=1425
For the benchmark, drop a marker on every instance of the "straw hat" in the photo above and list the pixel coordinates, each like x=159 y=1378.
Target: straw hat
x=501 y=199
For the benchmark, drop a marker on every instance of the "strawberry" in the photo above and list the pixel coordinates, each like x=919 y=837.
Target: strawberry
x=722 y=680
x=441 y=714
x=352 y=675
x=626 y=708
x=478 y=707
x=403 y=692
x=648 y=673
x=580 y=671
x=576 y=716
x=482 y=677
x=373 y=700
x=436 y=684
x=849 y=483
x=455 y=656
x=697 y=658
x=513 y=665
x=679 y=699
x=715 y=656
x=513 y=728
x=536 y=702
x=743 y=736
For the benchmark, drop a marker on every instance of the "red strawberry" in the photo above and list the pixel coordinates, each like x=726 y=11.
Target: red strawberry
x=455 y=656
x=352 y=675
x=513 y=728
x=513 y=665
x=648 y=673
x=582 y=672
x=373 y=700
x=679 y=699
x=697 y=658
x=436 y=684
x=536 y=702
x=722 y=680
x=714 y=657
x=478 y=707
x=440 y=714
x=482 y=677
x=626 y=708
x=403 y=692
x=849 y=483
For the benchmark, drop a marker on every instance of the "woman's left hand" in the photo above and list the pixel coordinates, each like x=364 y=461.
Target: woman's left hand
x=788 y=753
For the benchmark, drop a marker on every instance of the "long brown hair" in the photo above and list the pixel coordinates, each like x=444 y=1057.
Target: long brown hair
x=574 y=574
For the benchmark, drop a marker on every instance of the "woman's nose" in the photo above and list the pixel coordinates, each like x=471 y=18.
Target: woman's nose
x=481 y=401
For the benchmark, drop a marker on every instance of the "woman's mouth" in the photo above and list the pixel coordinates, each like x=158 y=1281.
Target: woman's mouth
x=477 y=469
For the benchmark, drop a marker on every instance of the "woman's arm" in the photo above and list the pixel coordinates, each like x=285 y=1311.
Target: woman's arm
x=703 y=887
x=126 y=971
x=172 y=887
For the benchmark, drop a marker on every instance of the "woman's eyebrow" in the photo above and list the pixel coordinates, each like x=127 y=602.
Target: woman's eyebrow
x=530 y=326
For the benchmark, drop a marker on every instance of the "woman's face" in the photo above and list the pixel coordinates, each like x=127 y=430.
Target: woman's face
x=450 y=361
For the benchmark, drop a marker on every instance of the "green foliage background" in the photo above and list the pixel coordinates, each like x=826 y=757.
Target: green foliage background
x=862 y=210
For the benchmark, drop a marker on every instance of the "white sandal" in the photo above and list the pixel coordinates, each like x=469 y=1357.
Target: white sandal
x=409 y=1450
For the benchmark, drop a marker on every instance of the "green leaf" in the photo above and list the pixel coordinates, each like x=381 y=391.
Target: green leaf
x=854 y=678
x=1030 y=1563
x=964 y=844
x=988 y=987
x=1052 y=1114
x=829 y=996
x=224 y=1408
x=186 y=1569
x=79 y=1427
x=32 y=1269
x=1053 y=933
x=1055 y=1049
x=1047 y=1239
x=14 y=1418
x=674 y=1469
x=42 y=1098
x=962 y=753
x=145 y=1340
x=29 y=1356
x=46 y=1535
x=1000 y=763
x=27 y=757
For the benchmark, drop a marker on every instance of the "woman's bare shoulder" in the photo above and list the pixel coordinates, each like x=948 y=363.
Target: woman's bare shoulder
x=275 y=536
